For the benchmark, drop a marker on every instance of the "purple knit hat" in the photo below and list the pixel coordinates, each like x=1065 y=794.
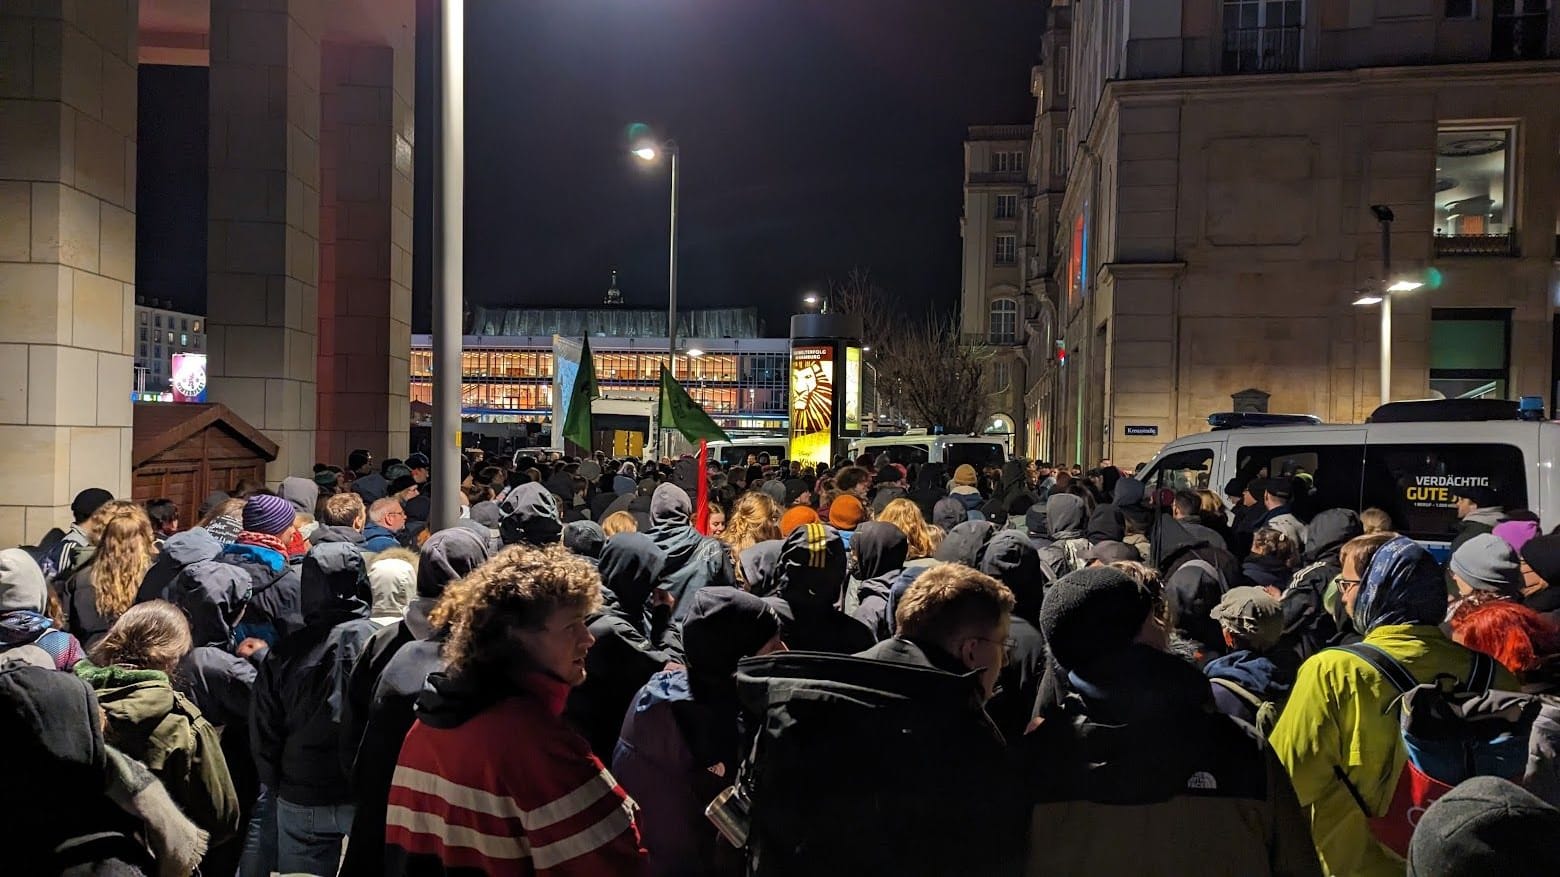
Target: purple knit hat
x=1517 y=533
x=264 y=513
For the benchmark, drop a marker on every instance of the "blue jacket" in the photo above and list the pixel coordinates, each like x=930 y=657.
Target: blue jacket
x=377 y=538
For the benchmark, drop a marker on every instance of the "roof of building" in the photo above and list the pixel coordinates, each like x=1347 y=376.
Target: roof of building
x=159 y=426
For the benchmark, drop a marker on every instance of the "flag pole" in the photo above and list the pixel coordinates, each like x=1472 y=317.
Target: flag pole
x=702 y=508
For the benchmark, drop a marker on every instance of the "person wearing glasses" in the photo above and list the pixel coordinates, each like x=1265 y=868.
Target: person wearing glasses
x=386 y=518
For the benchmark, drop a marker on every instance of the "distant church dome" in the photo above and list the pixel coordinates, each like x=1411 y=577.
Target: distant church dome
x=614 y=295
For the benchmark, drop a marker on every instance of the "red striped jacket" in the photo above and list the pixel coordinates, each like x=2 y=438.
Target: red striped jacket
x=512 y=790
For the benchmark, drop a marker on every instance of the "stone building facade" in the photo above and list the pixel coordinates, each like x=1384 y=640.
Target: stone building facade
x=1201 y=220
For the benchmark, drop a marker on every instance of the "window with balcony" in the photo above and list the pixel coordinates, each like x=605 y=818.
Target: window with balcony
x=1263 y=36
x=1007 y=162
x=1006 y=249
x=1007 y=206
x=1474 y=210
x=1003 y=324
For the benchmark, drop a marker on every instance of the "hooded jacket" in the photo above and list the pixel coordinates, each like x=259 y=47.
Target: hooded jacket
x=948 y=513
x=584 y=539
x=526 y=794
x=693 y=561
x=812 y=577
x=880 y=550
x=1106 y=524
x=1282 y=519
x=383 y=687
x=930 y=486
x=1340 y=713
x=530 y=516
x=1192 y=592
x=1137 y=764
x=150 y=722
x=1066 y=516
x=26 y=633
x=1011 y=560
x=275 y=608
x=758 y=565
x=302 y=492
x=632 y=642
x=1260 y=675
x=1309 y=624
x=680 y=744
x=178 y=551
x=213 y=596
x=301 y=689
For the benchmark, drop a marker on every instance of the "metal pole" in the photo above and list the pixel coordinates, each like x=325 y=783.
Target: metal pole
x=671 y=295
x=448 y=294
x=1386 y=311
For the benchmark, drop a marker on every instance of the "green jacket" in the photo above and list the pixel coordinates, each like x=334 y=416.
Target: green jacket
x=1340 y=714
x=163 y=730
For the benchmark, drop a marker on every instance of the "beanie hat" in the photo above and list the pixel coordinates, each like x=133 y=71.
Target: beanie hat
x=89 y=501
x=1486 y=825
x=1542 y=553
x=1092 y=613
x=846 y=512
x=325 y=478
x=795 y=517
x=965 y=475
x=1480 y=495
x=1517 y=533
x=1487 y=563
x=267 y=513
x=1251 y=613
x=794 y=488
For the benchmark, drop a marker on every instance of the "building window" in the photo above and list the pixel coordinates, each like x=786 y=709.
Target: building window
x=1459 y=9
x=1059 y=153
x=143 y=316
x=1004 y=322
x=184 y=339
x=1007 y=249
x=1263 y=36
x=1007 y=161
x=184 y=324
x=1469 y=353
x=143 y=333
x=1061 y=70
x=1007 y=206
x=170 y=334
x=1474 y=209
x=1001 y=375
x=157 y=321
x=1521 y=29
x=142 y=351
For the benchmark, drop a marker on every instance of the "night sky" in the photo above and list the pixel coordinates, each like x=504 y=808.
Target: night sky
x=816 y=135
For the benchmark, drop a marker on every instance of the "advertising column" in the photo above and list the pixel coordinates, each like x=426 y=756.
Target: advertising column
x=812 y=402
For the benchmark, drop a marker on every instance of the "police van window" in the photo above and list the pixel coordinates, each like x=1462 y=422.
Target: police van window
x=1186 y=470
x=1416 y=483
x=905 y=455
x=1324 y=476
x=976 y=454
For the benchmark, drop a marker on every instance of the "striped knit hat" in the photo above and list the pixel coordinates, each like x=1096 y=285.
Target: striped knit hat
x=265 y=513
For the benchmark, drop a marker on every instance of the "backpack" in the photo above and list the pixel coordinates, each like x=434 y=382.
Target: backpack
x=839 y=779
x=1451 y=732
x=1266 y=710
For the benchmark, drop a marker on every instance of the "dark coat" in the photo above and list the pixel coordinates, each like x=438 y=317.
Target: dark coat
x=693 y=561
x=178 y=551
x=811 y=579
x=1309 y=626
x=1011 y=560
x=275 y=600
x=880 y=551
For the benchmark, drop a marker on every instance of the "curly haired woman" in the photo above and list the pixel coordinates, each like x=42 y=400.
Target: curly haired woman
x=490 y=778
x=755 y=518
x=105 y=587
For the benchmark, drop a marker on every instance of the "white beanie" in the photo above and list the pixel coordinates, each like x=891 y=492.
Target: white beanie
x=393 y=582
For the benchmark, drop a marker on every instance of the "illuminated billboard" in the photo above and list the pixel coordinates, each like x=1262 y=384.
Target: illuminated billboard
x=188 y=377
x=853 y=389
x=812 y=403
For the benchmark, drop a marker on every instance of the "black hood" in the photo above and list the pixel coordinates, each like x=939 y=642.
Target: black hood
x=1172 y=538
x=670 y=507
x=1128 y=491
x=759 y=564
x=1328 y=531
x=1035 y=522
x=723 y=626
x=190 y=546
x=812 y=566
x=963 y=543
x=1107 y=524
x=685 y=474
x=631 y=564
x=213 y=596
x=449 y=702
x=584 y=538
x=1012 y=560
x=488 y=513
x=1136 y=693
x=530 y=516
x=560 y=485
x=880 y=550
x=448 y=556
x=1066 y=515
x=949 y=513
x=53 y=731
x=334 y=583
x=933 y=476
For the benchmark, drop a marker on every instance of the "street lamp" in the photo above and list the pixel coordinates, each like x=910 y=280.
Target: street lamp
x=650 y=152
x=1383 y=297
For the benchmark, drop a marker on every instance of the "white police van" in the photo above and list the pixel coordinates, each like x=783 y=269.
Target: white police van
x=736 y=451
x=916 y=447
x=1408 y=459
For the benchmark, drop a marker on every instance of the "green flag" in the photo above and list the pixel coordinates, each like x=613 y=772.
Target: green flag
x=680 y=412
x=576 y=421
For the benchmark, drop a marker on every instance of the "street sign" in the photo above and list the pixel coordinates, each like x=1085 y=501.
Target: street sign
x=1142 y=430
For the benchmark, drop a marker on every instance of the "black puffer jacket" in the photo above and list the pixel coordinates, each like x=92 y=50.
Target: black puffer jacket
x=632 y=642
x=295 y=723
x=214 y=596
x=1011 y=560
x=880 y=551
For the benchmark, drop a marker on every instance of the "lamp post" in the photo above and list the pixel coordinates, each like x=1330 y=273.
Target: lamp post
x=651 y=152
x=814 y=300
x=448 y=292
x=1384 y=216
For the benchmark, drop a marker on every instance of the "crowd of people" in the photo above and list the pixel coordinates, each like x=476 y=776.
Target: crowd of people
x=857 y=668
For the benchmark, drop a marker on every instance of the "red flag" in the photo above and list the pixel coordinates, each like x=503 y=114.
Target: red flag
x=702 y=506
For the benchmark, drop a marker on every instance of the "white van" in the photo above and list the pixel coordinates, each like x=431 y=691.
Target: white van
x=950 y=450
x=735 y=452
x=1406 y=459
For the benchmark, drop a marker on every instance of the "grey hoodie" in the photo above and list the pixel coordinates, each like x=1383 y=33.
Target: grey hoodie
x=303 y=493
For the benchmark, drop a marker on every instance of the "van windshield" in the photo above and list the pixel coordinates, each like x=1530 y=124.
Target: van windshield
x=976 y=454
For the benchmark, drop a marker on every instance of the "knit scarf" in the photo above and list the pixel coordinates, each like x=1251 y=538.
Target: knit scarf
x=262 y=540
